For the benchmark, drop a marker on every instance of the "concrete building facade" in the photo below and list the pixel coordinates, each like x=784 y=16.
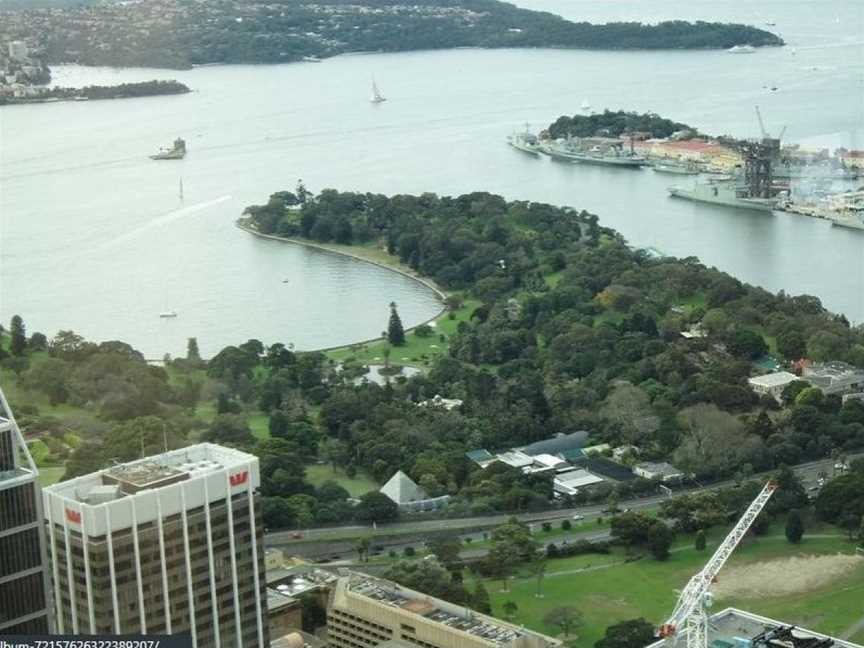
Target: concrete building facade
x=23 y=574
x=164 y=545
x=365 y=612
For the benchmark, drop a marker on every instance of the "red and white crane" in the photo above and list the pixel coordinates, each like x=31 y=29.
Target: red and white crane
x=691 y=612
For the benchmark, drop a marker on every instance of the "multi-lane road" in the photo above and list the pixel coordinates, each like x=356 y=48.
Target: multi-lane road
x=339 y=541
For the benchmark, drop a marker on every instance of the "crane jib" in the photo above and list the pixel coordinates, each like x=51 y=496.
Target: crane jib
x=690 y=608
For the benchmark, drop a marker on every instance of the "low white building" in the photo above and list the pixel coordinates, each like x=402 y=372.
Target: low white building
x=663 y=471
x=772 y=384
x=438 y=401
x=569 y=483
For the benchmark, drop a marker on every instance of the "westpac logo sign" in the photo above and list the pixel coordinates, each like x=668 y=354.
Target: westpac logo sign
x=239 y=478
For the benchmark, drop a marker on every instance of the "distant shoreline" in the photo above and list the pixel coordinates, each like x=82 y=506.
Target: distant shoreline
x=428 y=283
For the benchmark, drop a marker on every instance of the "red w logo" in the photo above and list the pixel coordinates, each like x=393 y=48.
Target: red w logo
x=73 y=516
x=239 y=478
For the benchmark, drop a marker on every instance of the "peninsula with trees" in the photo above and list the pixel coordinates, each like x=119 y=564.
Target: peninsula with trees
x=175 y=34
x=94 y=92
x=556 y=329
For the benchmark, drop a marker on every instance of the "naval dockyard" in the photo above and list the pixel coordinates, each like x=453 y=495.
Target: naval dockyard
x=760 y=175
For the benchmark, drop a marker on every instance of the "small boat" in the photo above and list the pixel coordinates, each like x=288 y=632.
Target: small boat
x=311 y=59
x=680 y=168
x=286 y=280
x=585 y=106
x=167 y=314
x=176 y=152
x=741 y=49
x=376 y=97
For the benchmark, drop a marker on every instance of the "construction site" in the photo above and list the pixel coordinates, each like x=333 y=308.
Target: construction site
x=732 y=628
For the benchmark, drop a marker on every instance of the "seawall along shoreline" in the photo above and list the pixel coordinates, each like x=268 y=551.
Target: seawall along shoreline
x=428 y=283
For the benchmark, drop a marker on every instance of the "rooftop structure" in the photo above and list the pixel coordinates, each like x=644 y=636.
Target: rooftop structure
x=663 y=471
x=439 y=401
x=772 y=383
x=569 y=483
x=163 y=545
x=366 y=611
x=560 y=445
x=295 y=581
x=481 y=457
x=733 y=627
x=834 y=377
x=23 y=574
x=405 y=492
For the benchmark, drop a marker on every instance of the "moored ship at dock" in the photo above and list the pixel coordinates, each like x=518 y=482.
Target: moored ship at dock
x=525 y=142
x=728 y=192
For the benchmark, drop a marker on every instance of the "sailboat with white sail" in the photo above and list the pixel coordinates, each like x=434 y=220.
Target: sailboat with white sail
x=376 y=97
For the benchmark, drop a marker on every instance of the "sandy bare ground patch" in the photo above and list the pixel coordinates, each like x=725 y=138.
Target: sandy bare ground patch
x=785 y=576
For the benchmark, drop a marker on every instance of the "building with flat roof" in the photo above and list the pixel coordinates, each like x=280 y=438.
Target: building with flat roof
x=733 y=628
x=23 y=574
x=663 y=471
x=366 y=612
x=164 y=545
x=834 y=377
x=569 y=483
x=772 y=384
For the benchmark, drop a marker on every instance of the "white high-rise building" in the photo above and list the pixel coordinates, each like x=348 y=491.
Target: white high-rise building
x=164 y=545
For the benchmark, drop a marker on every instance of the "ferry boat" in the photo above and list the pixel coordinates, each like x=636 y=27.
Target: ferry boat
x=176 y=152
x=168 y=314
x=728 y=193
x=741 y=49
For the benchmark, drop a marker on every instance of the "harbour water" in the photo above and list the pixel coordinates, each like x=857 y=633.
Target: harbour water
x=94 y=236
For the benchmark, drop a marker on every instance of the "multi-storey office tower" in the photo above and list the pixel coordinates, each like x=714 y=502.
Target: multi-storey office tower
x=165 y=545
x=366 y=612
x=23 y=582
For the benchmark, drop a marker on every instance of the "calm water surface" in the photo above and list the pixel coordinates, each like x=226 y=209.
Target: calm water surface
x=94 y=237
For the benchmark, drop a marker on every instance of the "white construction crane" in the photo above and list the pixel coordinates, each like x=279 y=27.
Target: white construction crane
x=691 y=613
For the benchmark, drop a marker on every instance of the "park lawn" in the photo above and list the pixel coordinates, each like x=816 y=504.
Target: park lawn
x=360 y=484
x=553 y=278
x=50 y=475
x=415 y=348
x=646 y=588
x=260 y=426
x=692 y=302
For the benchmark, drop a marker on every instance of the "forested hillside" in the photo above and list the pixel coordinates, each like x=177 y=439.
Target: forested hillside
x=568 y=329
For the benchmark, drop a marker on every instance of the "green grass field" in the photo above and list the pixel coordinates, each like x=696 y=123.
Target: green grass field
x=415 y=348
x=609 y=591
x=50 y=475
x=360 y=484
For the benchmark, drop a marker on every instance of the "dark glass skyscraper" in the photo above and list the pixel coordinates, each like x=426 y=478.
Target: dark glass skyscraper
x=23 y=584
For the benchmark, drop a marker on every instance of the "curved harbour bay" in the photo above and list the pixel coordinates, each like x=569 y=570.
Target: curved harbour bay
x=95 y=236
